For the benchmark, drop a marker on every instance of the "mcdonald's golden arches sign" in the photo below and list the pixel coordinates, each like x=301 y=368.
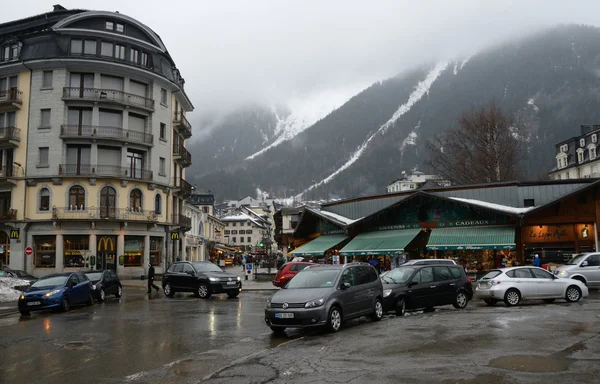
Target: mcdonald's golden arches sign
x=14 y=233
x=174 y=235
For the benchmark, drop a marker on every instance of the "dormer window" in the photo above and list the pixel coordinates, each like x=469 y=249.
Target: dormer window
x=120 y=28
x=592 y=152
x=580 y=155
x=110 y=26
x=564 y=148
x=594 y=138
x=10 y=52
x=582 y=142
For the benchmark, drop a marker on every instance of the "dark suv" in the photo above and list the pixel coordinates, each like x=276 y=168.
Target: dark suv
x=326 y=295
x=425 y=286
x=203 y=278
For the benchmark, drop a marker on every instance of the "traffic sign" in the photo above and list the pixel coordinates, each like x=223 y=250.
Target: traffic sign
x=28 y=251
x=249 y=268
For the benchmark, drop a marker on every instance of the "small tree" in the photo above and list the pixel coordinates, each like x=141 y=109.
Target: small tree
x=481 y=149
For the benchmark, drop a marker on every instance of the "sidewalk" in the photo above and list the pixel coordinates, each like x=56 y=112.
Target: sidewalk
x=8 y=308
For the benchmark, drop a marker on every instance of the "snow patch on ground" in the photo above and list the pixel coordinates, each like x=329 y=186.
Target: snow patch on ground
x=306 y=112
x=535 y=107
x=497 y=207
x=465 y=61
x=421 y=89
x=411 y=139
x=7 y=291
x=455 y=68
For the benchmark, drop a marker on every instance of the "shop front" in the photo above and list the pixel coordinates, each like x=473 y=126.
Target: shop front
x=76 y=251
x=44 y=252
x=323 y=249
x=134 y=251
x=106 y=253
x=556 y=244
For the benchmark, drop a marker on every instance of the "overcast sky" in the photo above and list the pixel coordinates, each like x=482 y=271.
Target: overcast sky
x=230 y=51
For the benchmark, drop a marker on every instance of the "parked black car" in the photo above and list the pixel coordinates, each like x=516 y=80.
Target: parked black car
x=203 y=278
x=19 y=274
x=425 y=286
x=105 y=283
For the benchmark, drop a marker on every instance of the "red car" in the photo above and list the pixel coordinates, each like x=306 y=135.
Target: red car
x=289 y=270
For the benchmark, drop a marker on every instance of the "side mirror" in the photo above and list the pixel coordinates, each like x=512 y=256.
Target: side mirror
x=584 y=264
x=191 y=273
x=345 y=285
x=412 y=284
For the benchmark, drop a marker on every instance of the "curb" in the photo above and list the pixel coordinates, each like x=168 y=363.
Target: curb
x=9 y=312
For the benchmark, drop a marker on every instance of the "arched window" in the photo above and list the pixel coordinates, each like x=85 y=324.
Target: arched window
x=157 y=204
x=44 y=199
x=76 y=198
x=108 y=202
x=135 y=200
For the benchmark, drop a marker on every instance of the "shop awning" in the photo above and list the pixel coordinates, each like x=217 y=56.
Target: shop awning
x=318 y=246
x=379 y=243
x=472 y=238
x=225 y=248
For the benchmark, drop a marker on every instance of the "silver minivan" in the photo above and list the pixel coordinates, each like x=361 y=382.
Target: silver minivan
x=584 y=267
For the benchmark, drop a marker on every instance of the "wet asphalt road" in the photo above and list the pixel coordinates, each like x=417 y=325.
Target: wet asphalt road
x=188 y=340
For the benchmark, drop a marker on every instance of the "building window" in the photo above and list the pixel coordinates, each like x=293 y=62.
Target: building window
x=529 y=203
x=76 y=198
x=120 y=28
x=234 y=232
x=47 y=79
x=592 y=153
x=582 y=142
x=163 y=96
x=156 y=245
x=233 y=224
x=248 y=232
x=120 y=52
x=74 y=246
x=157 y=204
x=109 y=26
x=108 y=202
x=594 y=138
x=580 y=156
x=163 y=131
x=44 y=199
x=10 y=52
x=161 y=166
x=45 y=115
x=43 y=156
x=135 y=200
x=249 y=239
x=89 y=47
x=45 y=251
x=145 y=61
x=134 y=55
x=134 y=251
x=107 y=49
x=233 y=240
x=76 y=47
x=227 y=232
x=135 y=161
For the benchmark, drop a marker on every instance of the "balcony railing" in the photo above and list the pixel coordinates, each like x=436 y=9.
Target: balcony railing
x=102 y=132
x=108 y=95
x=184 y=125
x=100 y=170
x=182 y=155
x=106 y=213
x=182 y=220
x=10 y=133
x=11 y=214
x=14 y=171
x=11 y=98
x=182 y=185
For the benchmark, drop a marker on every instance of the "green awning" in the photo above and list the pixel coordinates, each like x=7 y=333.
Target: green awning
x=319 y=246
x=380 y=243
x=472 y=238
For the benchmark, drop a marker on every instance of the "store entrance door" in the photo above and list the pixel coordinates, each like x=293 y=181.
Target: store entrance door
x=106 y=255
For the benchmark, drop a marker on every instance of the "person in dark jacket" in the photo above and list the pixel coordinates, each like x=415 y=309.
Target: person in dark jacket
x=151 y=279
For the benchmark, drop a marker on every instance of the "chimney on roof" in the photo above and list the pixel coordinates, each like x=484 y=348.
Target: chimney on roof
x=58 y=7
x=585 y=128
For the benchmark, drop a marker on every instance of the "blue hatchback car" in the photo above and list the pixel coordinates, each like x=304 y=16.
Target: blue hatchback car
x=59 y=291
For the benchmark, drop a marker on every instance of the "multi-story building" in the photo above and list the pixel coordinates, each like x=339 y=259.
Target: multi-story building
x=576 y=158
x=245 y=230
x=286 y=220
x=93 y=116
x=206 y=230
x=414 y=181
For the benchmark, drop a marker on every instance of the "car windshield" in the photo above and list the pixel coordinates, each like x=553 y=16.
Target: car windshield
x=50 y=281
x=576 y=260
x=206 y=267
x=398 y=275
x=96 y=276
x=314 y=278
x=491 y=274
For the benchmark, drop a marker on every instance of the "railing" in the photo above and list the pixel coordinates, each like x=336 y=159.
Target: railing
x=180 y=183
x=10 y=133
x=93 y=131
x=182 y=220
x=112 y=95
x=12 y=95
x=94 y=213
x=11 y=214
x=103 y=171
x=184 y=124
x=185 y=156
x=14 y=171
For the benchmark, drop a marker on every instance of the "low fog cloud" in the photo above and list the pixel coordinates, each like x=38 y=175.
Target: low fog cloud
x=232 y=52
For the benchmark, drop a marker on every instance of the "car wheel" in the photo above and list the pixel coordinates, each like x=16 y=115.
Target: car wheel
x=461 y=300
x=233 y=295
x=101 y=295
x=490 y=302
x=25 y=313
x=512 y=297
x=378 y=310
x=573 y=294
x=278 y=330
x=64 y=305
x=400 y=307
x=334 y=320
x=119 y=291
x=168 y=289
x=90 y=300
x=549 y=301
x=203 y=291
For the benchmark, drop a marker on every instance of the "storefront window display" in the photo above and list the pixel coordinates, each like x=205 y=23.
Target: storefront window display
x=45 y=251
x=134 y=251
x=4 y=249
x=556 y=244
x=156 y=245
x=75 y=247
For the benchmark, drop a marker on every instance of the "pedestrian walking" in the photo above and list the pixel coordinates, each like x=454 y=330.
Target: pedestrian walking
x=537 y=262
x=151 y=279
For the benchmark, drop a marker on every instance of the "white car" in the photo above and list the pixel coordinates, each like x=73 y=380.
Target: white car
x=512 y=285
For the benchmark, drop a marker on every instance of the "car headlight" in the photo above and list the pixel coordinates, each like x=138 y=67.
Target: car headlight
x=387 y=292
x=563 y=273
x=268 y=303
x=239 y=278
x=22 y=297
x=315 y=303
x=213 y=278
x=52 y=293
x=93 y=287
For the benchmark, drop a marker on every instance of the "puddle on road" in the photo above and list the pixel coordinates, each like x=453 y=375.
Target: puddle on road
x=479 y=379
x=526 y=363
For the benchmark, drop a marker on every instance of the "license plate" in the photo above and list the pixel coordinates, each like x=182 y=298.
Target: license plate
x=231 y=283
x=34 y=303
x=284 y=315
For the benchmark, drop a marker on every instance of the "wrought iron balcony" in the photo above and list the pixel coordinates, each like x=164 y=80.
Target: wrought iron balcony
x=108 y=96
x=10 y=135
x=8 y=215
x=14 y=171
x=183 y=221
x=103 y=213
x=183 y=186
x=179 y=121
x=103 y=132
x=86 y=170
x=181 y=155
x=11 y=99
